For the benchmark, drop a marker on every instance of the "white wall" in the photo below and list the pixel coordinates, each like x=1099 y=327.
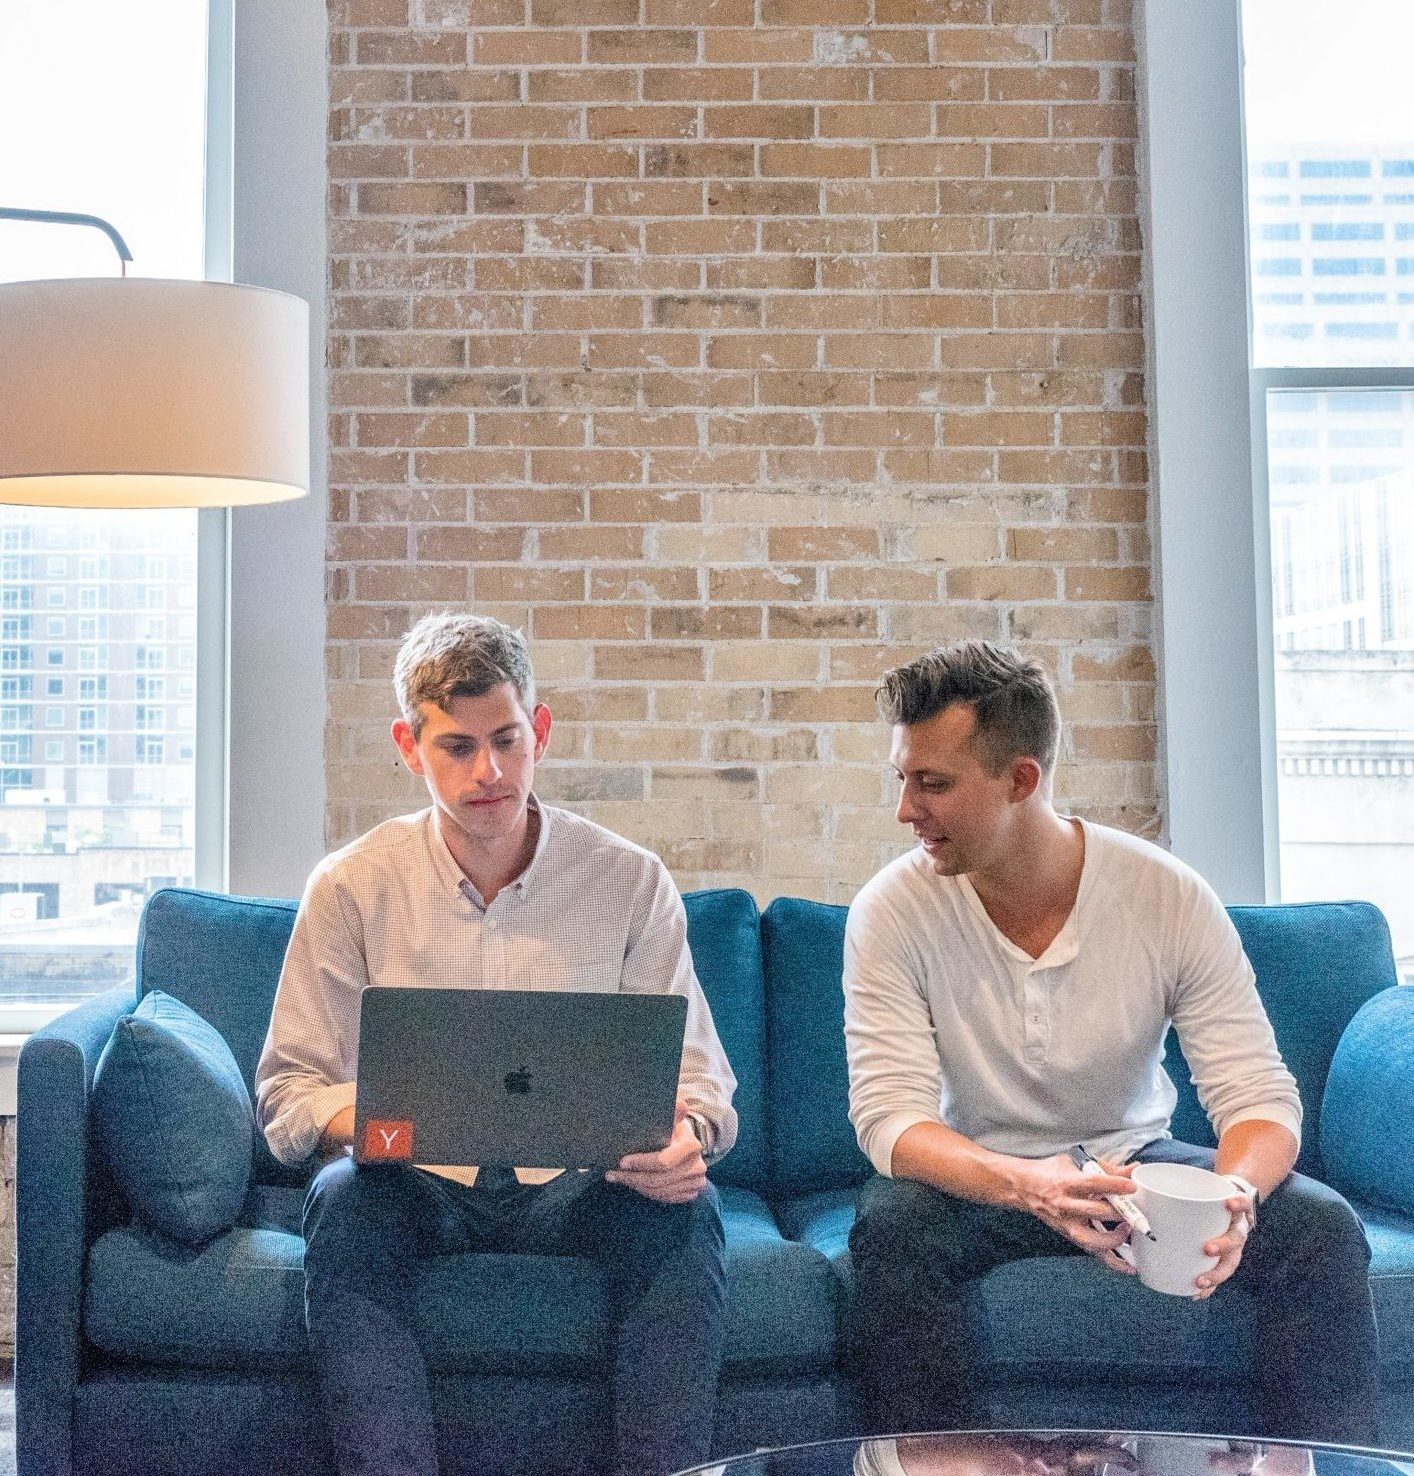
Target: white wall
x=1211 y=717
x=276 y=625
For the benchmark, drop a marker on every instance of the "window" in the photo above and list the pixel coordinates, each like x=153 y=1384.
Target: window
x=111 y=101
x=1333 y=376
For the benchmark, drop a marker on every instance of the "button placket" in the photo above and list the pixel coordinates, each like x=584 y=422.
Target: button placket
x=1035 y=1022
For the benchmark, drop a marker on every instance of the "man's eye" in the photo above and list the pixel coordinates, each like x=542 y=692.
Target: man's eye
x=510 y=742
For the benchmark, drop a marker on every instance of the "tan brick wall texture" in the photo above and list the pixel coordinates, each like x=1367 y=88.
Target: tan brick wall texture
x=737 y=350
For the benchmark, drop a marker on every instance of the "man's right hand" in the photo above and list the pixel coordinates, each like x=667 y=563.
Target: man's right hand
x=337 y=1136
x=1059 y=1195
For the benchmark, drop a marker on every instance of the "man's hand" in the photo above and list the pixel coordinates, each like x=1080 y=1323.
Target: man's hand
x=1059 y=1195
x=337 y=1137
x=676 y=1174
x=1229 y=1246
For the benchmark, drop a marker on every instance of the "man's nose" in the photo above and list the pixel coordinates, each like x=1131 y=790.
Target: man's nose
x=907 y=811
x=484 y=768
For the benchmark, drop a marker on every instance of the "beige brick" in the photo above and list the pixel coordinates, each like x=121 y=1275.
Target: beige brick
x=590 y=545
x=696 y=622
x=761 y=660
x=648 y=582
x=652 y=744
x=502 y=582
x=735 y=781
x=1064 y=545
x=1121 y=583
x=709 y=704
x=823 y=784
x=1002 y=582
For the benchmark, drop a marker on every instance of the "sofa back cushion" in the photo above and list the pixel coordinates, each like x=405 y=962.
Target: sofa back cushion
x=724 y=934
x=1316 y=964
x=813 y=1144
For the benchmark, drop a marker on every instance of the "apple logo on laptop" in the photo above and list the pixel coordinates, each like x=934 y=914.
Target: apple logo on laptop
x=518 y=1082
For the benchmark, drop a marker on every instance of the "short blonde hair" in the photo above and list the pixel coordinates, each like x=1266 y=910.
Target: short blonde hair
x=450 y=655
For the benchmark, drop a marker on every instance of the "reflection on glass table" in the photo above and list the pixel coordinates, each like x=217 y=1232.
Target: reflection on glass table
x=1060 y=1453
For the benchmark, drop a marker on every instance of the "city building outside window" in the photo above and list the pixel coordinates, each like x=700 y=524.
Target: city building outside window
x=1330 y=175
x=100 y=810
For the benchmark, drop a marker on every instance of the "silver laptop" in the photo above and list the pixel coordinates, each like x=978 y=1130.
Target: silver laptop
x=521 y=1078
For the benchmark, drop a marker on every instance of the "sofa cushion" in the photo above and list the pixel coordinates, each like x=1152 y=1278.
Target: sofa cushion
x=724 y=934
x=1316 y=964
x=238 y=1303
x=1391 y=1238
x=813 y=1143
x=174 y=1119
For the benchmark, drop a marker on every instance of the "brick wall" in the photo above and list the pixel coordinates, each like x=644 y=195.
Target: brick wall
x=737 y=349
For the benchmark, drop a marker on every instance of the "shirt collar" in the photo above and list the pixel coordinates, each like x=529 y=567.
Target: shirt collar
x=1065 y=946
x=526 y=879
x=451 y=875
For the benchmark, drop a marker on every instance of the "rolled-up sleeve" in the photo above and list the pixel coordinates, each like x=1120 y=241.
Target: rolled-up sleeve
x=1226 y=1037
x=657 y=960
x=895 y=1076
x=307 y=1068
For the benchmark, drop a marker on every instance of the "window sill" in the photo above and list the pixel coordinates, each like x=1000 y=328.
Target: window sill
x=10 y=1046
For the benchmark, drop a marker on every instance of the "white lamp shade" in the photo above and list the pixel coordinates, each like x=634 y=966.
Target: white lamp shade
x=134 y=392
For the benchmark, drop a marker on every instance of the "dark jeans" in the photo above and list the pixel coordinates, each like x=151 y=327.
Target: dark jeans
x=367 y=1229
x=914 y=1249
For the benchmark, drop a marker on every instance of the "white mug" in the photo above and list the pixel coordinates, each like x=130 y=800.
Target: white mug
x=1185 y=1209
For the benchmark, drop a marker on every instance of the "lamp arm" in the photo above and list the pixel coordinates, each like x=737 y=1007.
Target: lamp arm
x=68 y=217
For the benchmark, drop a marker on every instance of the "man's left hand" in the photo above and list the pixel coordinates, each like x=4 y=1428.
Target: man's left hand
x=676 y=1174
x=1229 y=1246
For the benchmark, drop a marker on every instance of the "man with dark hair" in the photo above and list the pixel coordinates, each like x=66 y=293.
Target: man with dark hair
x=1009 y=984
x=489 y=888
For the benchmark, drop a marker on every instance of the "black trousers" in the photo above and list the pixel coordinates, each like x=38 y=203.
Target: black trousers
x=1306 y=1266
x=367 y=1232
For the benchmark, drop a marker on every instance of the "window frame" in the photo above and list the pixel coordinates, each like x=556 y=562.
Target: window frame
x=1217 y=682
x=260 y=613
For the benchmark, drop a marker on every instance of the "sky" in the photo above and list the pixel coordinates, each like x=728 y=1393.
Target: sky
x=102 y=106
x=1328 y=71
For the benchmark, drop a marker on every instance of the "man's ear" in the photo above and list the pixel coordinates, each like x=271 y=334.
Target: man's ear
x=540 y=721
x=407 y=745
x=1026 y=777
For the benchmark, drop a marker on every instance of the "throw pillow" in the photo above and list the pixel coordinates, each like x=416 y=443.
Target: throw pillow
x=1367 y=1116
x=174 y=1119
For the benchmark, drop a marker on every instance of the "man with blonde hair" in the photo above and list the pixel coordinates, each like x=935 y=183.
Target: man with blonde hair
x=491 y=888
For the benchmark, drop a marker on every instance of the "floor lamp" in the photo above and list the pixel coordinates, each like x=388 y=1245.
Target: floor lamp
x=127 y=392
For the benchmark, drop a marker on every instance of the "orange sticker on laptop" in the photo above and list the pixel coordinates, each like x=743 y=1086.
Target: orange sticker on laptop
x=387 y=1140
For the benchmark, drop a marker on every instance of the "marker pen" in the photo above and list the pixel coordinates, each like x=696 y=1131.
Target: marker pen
x=1124 y=1206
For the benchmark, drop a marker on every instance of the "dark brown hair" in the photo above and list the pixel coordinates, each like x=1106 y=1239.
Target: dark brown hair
x=1013 y=700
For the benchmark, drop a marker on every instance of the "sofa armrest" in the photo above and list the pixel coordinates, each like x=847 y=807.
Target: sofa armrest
x=1367 y=1110
x=52 y=1211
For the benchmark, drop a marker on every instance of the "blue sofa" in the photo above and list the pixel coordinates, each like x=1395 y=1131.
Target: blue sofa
x=138 y=1354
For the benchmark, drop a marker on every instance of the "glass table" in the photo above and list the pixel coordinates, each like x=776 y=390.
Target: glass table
x=1060 y=1453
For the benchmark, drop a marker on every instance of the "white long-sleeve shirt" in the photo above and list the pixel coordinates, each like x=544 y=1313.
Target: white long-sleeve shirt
x=947 y=1020
x=592 y=912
